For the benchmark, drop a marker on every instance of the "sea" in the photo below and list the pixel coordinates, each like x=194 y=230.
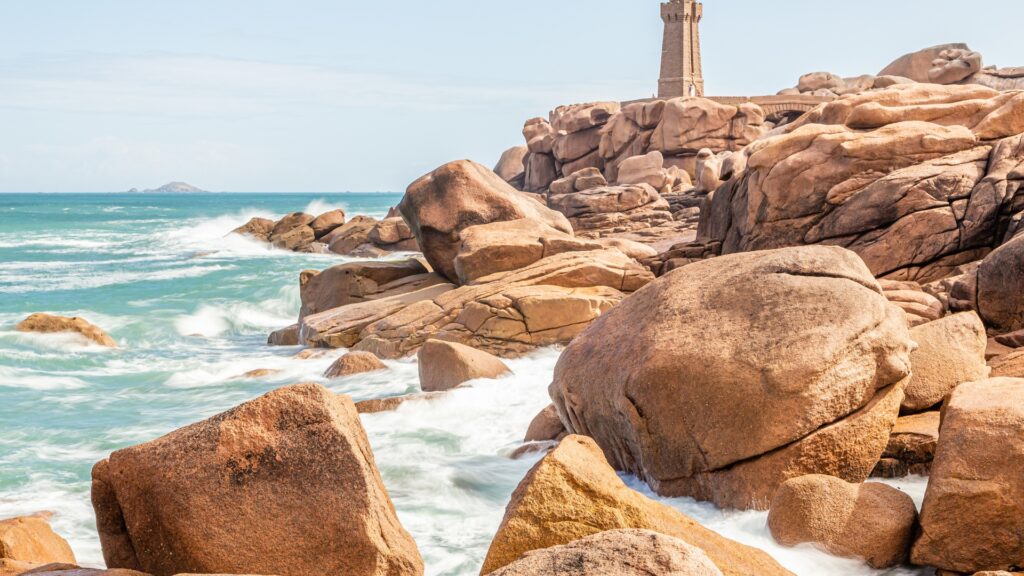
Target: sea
x=191 y=307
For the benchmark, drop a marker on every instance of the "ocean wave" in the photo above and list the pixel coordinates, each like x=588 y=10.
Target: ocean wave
x=46 y=282
x=212 y=320
x=322 y=206
x=32 y=380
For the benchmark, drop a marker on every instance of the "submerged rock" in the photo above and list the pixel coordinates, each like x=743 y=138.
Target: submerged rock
x=870 y=521
x=725 y=378
x=291 y=466
x=354 y=363
x=446 y=365
x=572 y=493
x=618 y=553
x=50 y=324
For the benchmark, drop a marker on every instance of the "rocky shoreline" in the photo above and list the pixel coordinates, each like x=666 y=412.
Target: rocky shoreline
x=757 y=310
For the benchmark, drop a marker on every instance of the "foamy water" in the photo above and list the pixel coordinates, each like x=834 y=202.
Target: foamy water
x=191 y=310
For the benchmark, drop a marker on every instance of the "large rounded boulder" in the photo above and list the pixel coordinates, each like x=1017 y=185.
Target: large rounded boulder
x=725 y=378
x=284 y=484
x=461 y=194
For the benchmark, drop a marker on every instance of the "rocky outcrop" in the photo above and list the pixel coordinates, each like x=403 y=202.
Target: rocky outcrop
x=31 y=539
x=601 y=136
x=256 y=228
x=917 y=179
x=355 y=282
x=295 y=461
x=440 y=205
x=447 y=365
x=809 y=363
x=572 y=493
x=509 y=245
x=546 y=303
x=871 y=521
x=598 y=212
x=972 y=517
x=354 y=363
x=618 y=553
x=950 y=351
x=49 y=324
x=330 y=232
x=917 y=66
x=911 y=446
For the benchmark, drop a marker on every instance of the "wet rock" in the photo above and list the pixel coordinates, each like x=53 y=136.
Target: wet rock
x=440 y=205
x=294 y=239
x=972 y=517
x=354 y=363
x=447 y=365
x=616 y=552
x=295 y=461
x=545 y=426
x=870 y=521
x=378 y=405
x=49 y=324
x=258 y=228
x=31 y=539
x=285 y=336
x=572 y=493
x=327 y=222
x=810 y=363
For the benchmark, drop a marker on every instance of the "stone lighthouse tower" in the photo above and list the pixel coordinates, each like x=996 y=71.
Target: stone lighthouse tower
x=681 y=72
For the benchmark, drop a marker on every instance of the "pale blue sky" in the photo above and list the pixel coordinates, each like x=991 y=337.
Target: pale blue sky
x=337 y=95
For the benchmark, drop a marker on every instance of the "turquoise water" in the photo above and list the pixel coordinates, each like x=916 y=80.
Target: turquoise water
x=191 y=310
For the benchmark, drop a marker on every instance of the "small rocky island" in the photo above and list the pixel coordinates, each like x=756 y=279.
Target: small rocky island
x=170 y=188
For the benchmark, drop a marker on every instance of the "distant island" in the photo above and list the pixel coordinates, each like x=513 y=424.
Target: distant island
x=171 y=188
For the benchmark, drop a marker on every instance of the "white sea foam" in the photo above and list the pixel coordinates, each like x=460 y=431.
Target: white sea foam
x=44 y=281
x=32 y=380
x=72 y=511
x=321 y=206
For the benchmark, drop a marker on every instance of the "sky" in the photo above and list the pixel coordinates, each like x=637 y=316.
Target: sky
x=346 y=95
